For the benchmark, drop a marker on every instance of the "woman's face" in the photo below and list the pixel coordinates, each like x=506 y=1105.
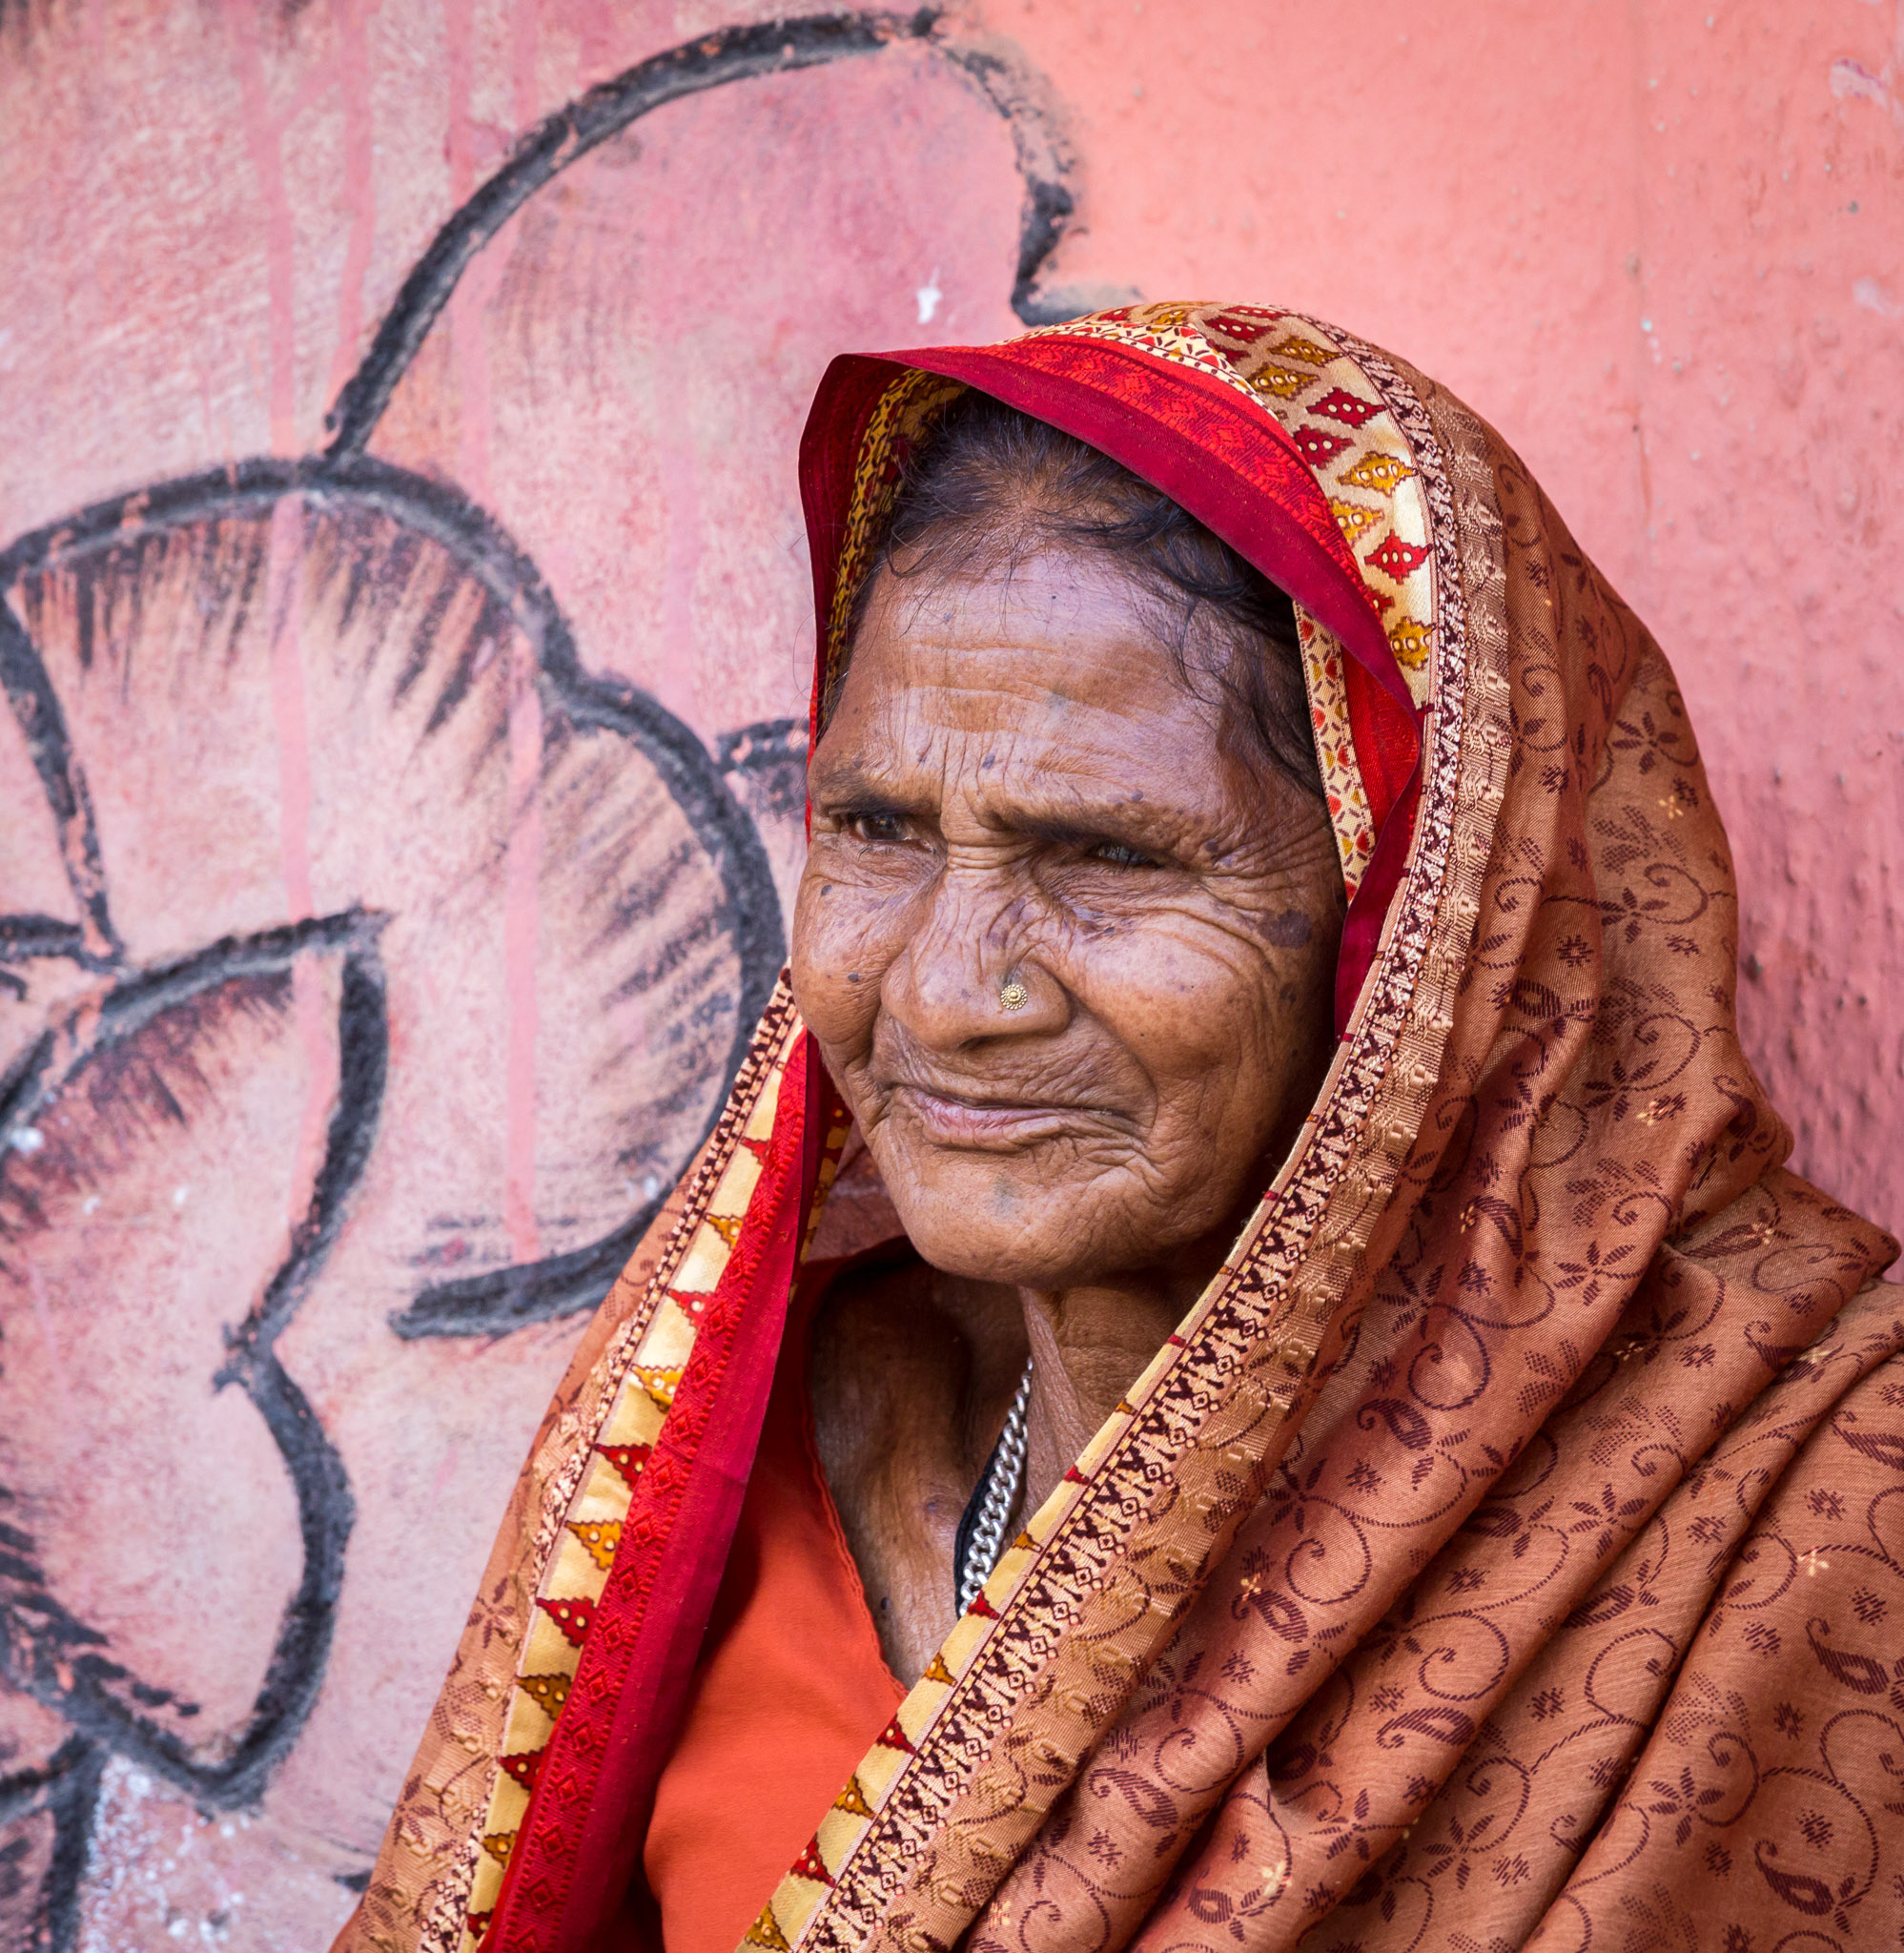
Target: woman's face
x=1019 y=800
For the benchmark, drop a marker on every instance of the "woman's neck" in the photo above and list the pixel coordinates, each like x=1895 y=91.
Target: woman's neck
x=1089 y=1346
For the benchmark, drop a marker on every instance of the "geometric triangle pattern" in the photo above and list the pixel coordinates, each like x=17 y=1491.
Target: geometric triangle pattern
x=599 y=1538
x=1353 y=518
x=548 y=1692
x=573 y=1616
x=626 y=1459
x=893 y=1737
x=765 y=1932
x=810 y=1864
x=659 y=1382
x=1365 y=469
x=727 y=1225
x=1349 y=814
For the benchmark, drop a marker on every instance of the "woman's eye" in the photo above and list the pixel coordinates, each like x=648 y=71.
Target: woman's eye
x=876 y=827
x=1120 y=855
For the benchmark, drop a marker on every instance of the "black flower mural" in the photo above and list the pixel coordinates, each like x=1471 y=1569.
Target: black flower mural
x=384 y=952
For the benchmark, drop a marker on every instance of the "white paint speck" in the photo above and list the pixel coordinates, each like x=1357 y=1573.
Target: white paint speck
x=929 y=296
x=91 y=1203
x=1853 y=79
x=650 y=1186
x=28 y=1140
x=179 y=1194
x=1869 y=293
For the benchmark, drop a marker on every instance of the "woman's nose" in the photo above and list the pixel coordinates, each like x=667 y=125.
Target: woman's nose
x=969 y=970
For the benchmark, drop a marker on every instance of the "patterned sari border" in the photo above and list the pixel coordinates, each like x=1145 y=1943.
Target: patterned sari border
x=607 y=1445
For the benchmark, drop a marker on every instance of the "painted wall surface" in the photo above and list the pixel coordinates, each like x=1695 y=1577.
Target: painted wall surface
x=398 y=810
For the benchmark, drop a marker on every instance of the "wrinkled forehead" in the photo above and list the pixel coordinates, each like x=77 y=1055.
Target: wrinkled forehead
x=1003 y=579
x=1058 y=649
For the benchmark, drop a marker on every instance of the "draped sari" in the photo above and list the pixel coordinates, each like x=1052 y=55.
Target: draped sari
x=1508 y=1549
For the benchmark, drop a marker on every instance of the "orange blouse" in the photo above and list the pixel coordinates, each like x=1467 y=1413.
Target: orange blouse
x=790 y=1693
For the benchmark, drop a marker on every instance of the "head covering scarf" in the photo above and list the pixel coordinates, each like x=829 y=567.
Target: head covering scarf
x=1509 y=1547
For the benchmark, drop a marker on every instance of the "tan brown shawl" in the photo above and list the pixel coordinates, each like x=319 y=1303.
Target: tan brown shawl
x=1509 y=1549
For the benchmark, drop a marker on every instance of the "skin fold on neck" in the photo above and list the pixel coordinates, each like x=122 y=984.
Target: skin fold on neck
x=1089 y=1345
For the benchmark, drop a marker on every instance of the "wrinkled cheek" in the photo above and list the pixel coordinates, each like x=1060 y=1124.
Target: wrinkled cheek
x=845 y=938
x=1189 y=1009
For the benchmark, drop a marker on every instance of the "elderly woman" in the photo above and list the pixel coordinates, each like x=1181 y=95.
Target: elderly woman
x=1315 y=1415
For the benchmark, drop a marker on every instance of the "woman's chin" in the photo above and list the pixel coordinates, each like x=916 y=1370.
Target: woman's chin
x=1043 y=1243
x=1033 y=1247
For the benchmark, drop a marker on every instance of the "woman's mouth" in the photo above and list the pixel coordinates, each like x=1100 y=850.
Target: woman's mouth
x=986 y=1126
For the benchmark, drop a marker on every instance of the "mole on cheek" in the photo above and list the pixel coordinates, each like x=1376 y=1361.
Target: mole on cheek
x=1288 y=930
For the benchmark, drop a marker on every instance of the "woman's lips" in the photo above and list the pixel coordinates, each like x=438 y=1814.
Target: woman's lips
x=986 y=1125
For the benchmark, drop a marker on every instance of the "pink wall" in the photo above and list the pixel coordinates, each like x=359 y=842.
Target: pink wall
x=1658 y=247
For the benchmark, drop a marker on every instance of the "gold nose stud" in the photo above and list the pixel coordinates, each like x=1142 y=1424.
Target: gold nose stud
x=1014 y=995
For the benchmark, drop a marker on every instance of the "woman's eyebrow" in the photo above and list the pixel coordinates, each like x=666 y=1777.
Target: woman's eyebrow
x=1145 y=823
x=855 y=782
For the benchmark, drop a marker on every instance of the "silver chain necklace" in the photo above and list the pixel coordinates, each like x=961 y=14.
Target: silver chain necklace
x=982 y=1540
